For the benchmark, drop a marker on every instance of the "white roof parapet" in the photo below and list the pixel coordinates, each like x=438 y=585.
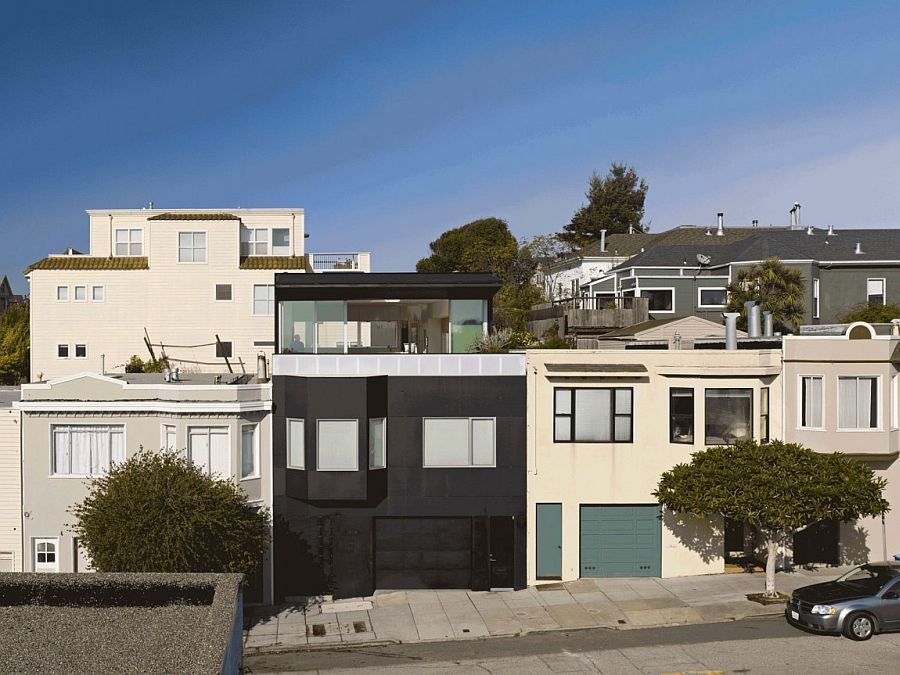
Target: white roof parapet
x=404 y=365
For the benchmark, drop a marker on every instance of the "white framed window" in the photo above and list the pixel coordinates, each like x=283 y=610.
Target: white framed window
x=249 y=451
x=263 y=299
x=98 y=293
x=192 y=247
x=129 y=242
x=858 y=403
x=660 y=300
x=62 y=351
x=377 y=443
x=281 y=241
x=895 y=402
x=296 y=444
x=168 y=439
x=80 y=293
x=62 y=293
x=46 y=554
x=80 y=351
x=254 y=241
x=223 y=293
x=810 y=404
x=875 y=291
x=337 y=445
x=459 y=442
x=209 y=448
x=86 y=449
x=712 y=297
x=223 y=350
x=815 y=292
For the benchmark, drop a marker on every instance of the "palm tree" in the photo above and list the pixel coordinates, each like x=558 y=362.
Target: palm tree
x=775 y=287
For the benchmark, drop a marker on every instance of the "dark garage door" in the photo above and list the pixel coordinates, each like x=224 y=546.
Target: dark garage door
x=620 y=541
x=423 y=553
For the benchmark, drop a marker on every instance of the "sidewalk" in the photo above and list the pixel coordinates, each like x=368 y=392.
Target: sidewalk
x=421 y=615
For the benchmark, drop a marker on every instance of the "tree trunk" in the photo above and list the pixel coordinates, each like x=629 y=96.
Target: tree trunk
x=772 y=547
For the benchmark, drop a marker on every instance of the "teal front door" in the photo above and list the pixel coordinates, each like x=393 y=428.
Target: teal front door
x=548 y=535
x=621 y=541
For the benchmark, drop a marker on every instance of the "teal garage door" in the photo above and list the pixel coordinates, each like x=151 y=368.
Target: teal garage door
x=621 y=541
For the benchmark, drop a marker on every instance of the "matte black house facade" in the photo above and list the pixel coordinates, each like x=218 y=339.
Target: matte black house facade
x=399 y=459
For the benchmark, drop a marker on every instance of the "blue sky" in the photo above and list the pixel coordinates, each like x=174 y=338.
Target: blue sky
x=390 y=122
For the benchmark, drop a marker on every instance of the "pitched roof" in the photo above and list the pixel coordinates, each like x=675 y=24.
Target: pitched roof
x=683 y=235
x=194 y=216
x=275 y=262
x=86 y=262
x=636 y=328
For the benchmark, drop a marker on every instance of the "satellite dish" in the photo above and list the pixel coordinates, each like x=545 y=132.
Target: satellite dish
x=703 y=259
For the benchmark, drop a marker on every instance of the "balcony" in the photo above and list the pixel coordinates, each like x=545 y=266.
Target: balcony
x=339 y=262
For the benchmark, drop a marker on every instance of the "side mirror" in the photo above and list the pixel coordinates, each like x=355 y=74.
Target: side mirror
x=890 y=595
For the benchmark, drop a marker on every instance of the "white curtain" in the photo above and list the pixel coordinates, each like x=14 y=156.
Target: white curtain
x=198 y=448
x=82 y=441
x=218 y=452
x=117 y=445
x=812 y=402
x=61 y=450
x=858 y=396
x=99 y=450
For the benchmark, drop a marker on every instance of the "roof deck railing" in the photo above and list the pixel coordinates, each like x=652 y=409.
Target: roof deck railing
x=339 y=262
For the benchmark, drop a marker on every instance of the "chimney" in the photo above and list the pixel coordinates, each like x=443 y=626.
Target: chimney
x=731 y=329
x=602 y=241
x=858 y=250
x=753 y=322
x=797 y=209
x=720 y=229
x=748 y=312
x=676 y=341
x=831 y=232
x=261 y=367
x=768 y=328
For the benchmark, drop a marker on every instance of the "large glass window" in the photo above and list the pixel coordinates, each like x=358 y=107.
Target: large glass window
x=681 y=415
x=858 y=402
x=208 y=449
x=729 y=416
x=281 y=241
x=875 y=291
x=254 y=241
x=450 y=442
x=249 y=451
x=810 y=402
x=263 y=299
x=337 y=445
x=296 y=444
x=192 y=247
x=659 y=299
x=129 y=242
x=85 y=449
x=595 y=415
x=467 y=323
x=712 y=297
x=377 y=443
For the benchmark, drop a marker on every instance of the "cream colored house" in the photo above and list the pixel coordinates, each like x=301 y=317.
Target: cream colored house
x=197 y=284
x=75 y=427
x=603 y=425
x=10 y=483
x=841 y=395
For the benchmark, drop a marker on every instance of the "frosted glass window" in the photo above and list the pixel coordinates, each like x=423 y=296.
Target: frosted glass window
x=377 y=443
x=857 y=402
x=97 y=293
x=592 y=415
x=85 y=449
x=296 y=458
x=592 y=419
x=80 y=293
x=446 y=441
x=248 y=451
x=208 y=449
x=483 y=438
x=192 y=247
x=811 y=402
x=62 y=293
x=337 y=445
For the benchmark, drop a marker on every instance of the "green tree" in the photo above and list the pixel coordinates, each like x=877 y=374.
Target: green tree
x=14 y=344
x=872 y=313
x=776 y=288
x=778 y=488
x=615 y=204
x=157 y=512
x=548 y=250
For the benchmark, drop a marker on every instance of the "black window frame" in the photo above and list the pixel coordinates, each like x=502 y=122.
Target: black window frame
x=612 y=414
x=672 y=391
x=706 y=415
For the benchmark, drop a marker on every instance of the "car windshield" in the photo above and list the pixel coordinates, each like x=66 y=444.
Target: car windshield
x=868 y=576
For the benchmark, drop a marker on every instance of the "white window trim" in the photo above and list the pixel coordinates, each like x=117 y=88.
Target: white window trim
x=383 y=443
x=252 y=241
x=815 y=292
x=34 y=563
x=895 y=401
x=700 y=290
x=799 y=425
x=272 y=313
x=75 y=293
x=319 y=448
x=58 y=299
x=883 y=280
x=287 y=444
x=272 y=241
x=68 y=351
x=879 y=423
x=255 y=475
x=215 y=287
x=470 y=465
x=103 y=290
x=187 y=445
x=640 y=294
x=128 y=243
x=178 y=247
x=75 y=351
x=81 y=476
x=162 y=437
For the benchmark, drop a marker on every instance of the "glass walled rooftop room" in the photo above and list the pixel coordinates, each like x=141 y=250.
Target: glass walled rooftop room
x=380 y=326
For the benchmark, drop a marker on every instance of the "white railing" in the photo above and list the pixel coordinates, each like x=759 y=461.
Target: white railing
x=339 y=262
x=349 y=365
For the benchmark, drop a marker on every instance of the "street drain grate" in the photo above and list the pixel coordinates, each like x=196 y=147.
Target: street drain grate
x=360 y=627
x=318 y=629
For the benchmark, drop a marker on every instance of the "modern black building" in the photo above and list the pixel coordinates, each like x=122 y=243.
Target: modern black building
x=399 y=458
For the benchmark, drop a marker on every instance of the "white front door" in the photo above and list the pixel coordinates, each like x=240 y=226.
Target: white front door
x=46 y=555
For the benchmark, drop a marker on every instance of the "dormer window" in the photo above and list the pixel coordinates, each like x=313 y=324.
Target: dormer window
x=254 y=241
x=129 y=242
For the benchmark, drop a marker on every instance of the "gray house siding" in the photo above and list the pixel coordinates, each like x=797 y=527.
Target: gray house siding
x=842 y=288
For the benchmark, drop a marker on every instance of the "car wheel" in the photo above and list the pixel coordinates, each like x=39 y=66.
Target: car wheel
x=859 y=627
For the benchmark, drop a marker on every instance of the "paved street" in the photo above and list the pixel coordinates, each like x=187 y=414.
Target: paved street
x=758 y=645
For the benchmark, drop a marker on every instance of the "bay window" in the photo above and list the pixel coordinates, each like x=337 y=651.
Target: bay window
x=729 y=416
x=86 y=449
x=858 y=403
x=209 y=448
x=337 y=445
x=296 y=444
x=377 y=443
x=249 y=451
